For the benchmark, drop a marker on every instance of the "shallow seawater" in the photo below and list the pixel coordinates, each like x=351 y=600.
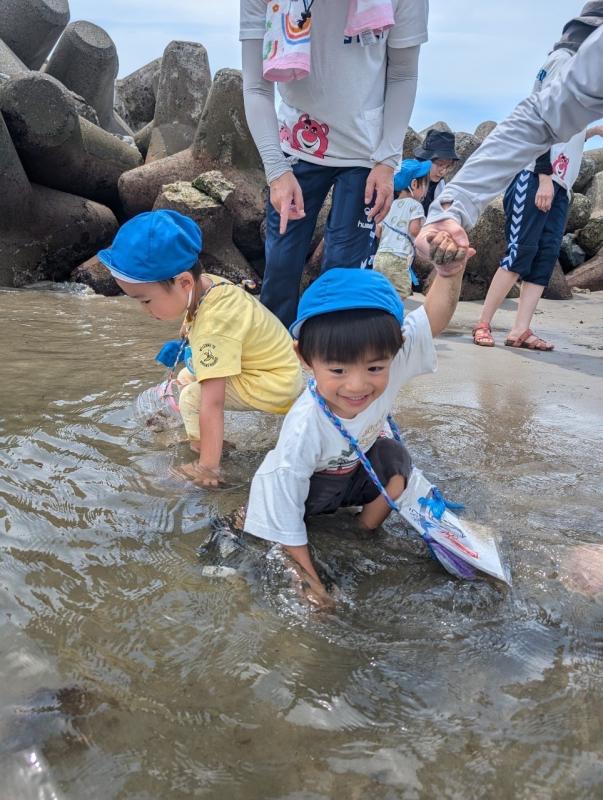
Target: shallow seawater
x=138 y=673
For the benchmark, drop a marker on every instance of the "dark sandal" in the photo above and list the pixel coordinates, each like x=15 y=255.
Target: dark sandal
x=521 y=342
x=482 y=335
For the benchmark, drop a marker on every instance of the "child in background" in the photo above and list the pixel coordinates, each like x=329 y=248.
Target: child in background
x=241 y=354
x=399 y=229
x=352 y=335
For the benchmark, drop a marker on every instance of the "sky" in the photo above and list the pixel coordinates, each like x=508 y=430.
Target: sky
x=481 y=58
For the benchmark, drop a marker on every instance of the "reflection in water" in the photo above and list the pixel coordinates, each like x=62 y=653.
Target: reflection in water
x=138 y=672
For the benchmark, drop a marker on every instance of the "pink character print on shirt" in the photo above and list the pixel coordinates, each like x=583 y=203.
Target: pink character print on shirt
x=310 y=136
x=560 y=165
x=284 y=133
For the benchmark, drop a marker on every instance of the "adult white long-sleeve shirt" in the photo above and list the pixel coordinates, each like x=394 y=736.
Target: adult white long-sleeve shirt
x=570 y=102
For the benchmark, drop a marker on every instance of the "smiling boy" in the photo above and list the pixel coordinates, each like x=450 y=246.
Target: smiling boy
x=352 y=335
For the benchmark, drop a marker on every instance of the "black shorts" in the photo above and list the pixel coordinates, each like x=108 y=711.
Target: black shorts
x=330 y=492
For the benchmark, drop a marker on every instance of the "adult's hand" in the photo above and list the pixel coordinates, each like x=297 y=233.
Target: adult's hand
x=380 y=189
x=287 y=199
x=545 y=193
x=446 y=245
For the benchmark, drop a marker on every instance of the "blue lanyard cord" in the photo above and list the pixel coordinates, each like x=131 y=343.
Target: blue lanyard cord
x=436 y=503
x=353 y=442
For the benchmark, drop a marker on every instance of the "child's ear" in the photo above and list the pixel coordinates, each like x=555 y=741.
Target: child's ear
x=185 y=280
x=300 y=357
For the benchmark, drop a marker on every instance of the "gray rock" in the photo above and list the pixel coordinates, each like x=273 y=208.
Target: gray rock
x=214 y=185
x=58 y=148
x=222 y=142
x=558 y=288
x=135 y=95
x=588 y=276
x=412 y=140
x=215 y=220
x=595 y=194
x=586 y=174
x=142 y=138
x=579 y=213
x=95 y=275
x=437 y=126
x=184 y=85
x=488 y=238
x=596 y=155
x=571 y=254
x=465 y=145
x=484 y=129
x=85 y=61
x=590 y=237
x=31 y=28
x=43 y=233
x=9 y=63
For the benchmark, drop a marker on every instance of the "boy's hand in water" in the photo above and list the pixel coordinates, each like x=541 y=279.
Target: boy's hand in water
x=446 y=245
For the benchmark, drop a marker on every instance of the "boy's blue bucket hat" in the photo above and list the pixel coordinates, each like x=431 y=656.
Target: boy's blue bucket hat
x=410 y=170
x=153 y=246
x=342 y=289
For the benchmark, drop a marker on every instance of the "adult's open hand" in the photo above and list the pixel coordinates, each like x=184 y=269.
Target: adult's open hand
x=287 y=199
x=379 y=191
x=446 y=245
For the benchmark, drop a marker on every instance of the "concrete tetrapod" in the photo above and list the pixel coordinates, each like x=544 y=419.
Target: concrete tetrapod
x=219 y=253
x=85 y=61
x=44 y=233
x=184 y=84
x=31 y=28
x=135 y=95
x=58 y=148
x=9 y=63
x=222 y=142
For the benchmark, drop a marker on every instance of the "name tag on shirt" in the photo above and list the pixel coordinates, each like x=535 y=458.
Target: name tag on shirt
x=367 y=38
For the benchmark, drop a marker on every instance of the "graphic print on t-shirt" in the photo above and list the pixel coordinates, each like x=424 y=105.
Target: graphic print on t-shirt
x=309 y=136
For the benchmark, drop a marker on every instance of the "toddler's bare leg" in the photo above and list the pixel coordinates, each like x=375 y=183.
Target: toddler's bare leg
x=375 y=513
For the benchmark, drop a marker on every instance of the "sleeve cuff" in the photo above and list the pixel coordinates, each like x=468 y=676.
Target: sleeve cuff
x=289 y=538
x=251 y=33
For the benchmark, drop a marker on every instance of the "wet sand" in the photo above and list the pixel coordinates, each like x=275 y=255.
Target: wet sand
x=566 y=383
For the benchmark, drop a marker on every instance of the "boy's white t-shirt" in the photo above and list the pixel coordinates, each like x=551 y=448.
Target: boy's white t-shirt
x=319 y=122
x=309 y=443
x=401 y=214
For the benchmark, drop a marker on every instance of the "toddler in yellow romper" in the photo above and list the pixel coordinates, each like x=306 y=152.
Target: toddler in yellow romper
x=242 y=355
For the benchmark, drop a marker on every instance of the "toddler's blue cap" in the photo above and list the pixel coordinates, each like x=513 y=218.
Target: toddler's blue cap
x=153 y=246
x=410 y=170
x=342 y=289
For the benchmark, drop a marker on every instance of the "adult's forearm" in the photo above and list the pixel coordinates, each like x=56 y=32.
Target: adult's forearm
x=258 y=95
x=567 y=105
x=399 y=99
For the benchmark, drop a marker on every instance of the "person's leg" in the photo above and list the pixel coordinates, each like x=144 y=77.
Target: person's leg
x=286 y=253
x=523 y=227
x=542 y=268
x=392 y=463
x=350 y=239
x=395 y=269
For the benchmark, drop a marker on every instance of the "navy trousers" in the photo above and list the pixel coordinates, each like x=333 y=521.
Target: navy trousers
x=349 y=236
x=533 y=236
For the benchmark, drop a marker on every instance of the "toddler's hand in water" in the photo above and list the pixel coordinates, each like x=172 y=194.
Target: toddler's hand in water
x=200 y=474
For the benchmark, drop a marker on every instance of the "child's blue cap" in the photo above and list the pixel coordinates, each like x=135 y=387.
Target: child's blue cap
x=410 y=170
x=341 y=289
x=153 y=246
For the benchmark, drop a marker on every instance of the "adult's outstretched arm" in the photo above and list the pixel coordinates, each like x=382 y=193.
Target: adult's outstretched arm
x=567 y=105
